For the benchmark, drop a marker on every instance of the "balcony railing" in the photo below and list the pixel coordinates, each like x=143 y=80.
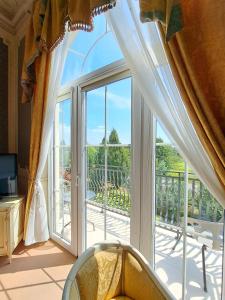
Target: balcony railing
x=114 y=194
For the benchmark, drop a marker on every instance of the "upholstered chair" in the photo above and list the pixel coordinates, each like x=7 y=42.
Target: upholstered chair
x=112 y=271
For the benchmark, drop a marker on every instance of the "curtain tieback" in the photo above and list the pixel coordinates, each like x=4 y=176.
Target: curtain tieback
x=37 y=186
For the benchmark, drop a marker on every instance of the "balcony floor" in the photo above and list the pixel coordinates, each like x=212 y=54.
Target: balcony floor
x=168 y=263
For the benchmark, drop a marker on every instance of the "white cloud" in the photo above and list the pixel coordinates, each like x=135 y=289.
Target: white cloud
x=120 y=102
x=98 y=129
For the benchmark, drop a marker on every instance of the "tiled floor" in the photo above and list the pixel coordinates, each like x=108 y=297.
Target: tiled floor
x=36 y=272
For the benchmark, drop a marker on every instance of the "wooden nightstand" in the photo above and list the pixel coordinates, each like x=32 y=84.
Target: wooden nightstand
x=11 y=224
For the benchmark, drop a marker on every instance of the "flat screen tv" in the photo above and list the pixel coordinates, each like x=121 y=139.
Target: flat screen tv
x=8 y=175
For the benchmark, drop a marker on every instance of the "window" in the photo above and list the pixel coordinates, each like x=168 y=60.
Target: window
x=195 y=250
x=93 y=143
x=91 y=51
x=109 y=161
x=62 y=170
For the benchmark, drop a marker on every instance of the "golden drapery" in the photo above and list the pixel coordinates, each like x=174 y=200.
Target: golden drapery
x=42 y=69
x=46 y=29
x=196 y=55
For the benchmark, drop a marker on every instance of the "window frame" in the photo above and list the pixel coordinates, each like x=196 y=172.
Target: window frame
x=67 y=94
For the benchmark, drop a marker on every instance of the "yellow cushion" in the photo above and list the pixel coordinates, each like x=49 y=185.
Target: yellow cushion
x=138 y=284
x=100 y=276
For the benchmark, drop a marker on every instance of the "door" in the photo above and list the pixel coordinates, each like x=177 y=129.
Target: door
x=63 y=195
x=106 y=151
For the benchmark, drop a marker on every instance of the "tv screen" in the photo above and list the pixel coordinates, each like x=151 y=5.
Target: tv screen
x=8 y=174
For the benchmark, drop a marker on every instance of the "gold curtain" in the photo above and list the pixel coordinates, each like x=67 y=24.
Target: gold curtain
x=42 y=69
x=197 y=57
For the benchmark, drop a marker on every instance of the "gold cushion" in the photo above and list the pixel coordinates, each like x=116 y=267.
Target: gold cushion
x=138 y=284
x=100 y=276
x=111 y=273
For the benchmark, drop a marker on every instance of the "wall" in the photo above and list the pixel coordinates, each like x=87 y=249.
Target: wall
x=3 y=97
x=24 y=127
x=15 y=118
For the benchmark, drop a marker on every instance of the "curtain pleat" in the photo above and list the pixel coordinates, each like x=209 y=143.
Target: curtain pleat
x=197 y=59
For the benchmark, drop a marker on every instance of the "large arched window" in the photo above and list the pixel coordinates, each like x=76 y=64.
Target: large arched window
x=91 y=51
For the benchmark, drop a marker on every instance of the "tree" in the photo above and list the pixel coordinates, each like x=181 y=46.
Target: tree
x=118 y=156
x=167 y=158
x=92 y=153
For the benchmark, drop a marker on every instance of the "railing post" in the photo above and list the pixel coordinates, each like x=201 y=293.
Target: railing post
x=178 y=202
x=200 y=201
x=193 y=198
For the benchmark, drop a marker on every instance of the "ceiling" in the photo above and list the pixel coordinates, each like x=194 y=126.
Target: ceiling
x=12 y=12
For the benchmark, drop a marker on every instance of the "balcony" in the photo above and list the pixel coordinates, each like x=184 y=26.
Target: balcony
x=108 y=204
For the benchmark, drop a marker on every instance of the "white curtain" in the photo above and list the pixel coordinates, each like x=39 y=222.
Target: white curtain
x=143 y=51
x=37 y=227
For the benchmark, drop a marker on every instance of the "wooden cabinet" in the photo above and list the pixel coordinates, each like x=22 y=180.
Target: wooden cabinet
x=11 y=224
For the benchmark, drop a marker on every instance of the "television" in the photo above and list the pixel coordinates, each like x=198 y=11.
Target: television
x=8 y=175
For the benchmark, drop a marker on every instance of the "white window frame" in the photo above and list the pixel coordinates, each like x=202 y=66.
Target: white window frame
x=66 y=94
x=140 y=227
x=115 y=72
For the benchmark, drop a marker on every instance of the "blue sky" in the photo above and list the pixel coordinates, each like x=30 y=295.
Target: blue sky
x=86 y=55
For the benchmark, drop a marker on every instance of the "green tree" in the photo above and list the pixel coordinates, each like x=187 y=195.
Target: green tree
x=92 y=153
x=118 y=156
x=167 y=158
x=100 y=155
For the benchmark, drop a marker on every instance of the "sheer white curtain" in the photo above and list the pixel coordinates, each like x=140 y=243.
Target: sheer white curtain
x=143 y=51
x=37 y=227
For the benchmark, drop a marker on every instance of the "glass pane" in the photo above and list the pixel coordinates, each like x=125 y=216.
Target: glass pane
x=205 y=242
x=62 y=170
x=169 y=209
x=119 y=112
x=72 y=67
x=91 y=51
x=84 y=41
x=205 y=221
x=98 y=58
x=118 y=193
x=95 y=116
x=95 y=195
x=108 y=198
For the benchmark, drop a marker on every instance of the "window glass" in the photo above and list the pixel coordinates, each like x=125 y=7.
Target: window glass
x=90 y=51
x=204 y=232
x=62 y=170
x=108 y=162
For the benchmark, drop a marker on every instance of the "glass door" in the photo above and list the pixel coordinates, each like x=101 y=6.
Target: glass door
x=62 y=172
x=189 y=226
x=107 y=162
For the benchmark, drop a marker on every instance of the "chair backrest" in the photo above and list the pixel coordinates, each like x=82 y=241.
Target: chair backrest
x=214 y=228
x=107 y=270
